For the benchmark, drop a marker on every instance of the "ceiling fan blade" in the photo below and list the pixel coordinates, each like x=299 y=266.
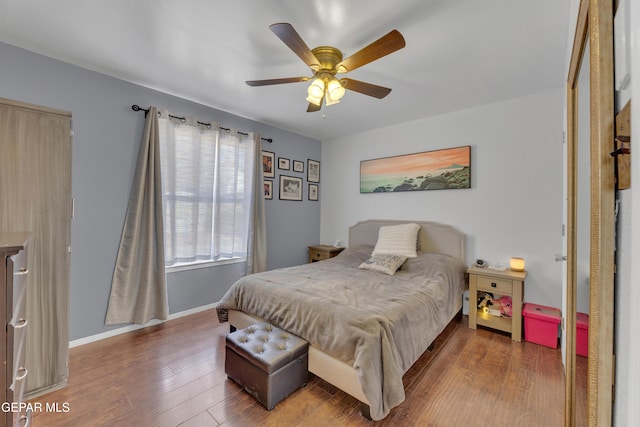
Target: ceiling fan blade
x=313 y=107
x=365 y=88
x=276 y=81
x=291 y=38
x=385 y=45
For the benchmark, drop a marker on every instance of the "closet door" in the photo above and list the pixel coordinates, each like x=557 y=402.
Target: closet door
x=35 y=196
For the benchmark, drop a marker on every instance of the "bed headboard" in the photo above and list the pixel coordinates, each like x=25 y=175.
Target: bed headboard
x=432 y=237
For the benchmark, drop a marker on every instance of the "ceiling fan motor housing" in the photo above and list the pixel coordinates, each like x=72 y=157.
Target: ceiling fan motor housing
x=328 y=57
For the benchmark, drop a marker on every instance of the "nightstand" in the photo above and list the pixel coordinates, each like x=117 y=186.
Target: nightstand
x=498 y=283
x=320 y=252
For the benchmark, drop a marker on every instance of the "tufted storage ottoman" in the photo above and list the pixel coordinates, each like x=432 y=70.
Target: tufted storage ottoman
x=267 y=362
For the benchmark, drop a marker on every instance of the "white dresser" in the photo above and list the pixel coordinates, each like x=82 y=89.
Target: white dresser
x=13 y=294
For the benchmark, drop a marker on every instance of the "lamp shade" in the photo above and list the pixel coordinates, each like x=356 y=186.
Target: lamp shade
x=314 y=100
x=335 y=90
x=316 y=89
x=517 y=264
x=330 y=101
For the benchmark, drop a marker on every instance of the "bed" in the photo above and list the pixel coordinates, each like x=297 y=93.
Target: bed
x=365 y=328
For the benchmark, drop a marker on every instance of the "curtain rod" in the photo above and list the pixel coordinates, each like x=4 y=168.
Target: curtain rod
x=136 y=107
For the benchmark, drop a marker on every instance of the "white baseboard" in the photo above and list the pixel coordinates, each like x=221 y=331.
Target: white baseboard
x=124 y=330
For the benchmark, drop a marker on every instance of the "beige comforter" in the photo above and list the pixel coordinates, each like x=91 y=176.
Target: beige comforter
x=378 y=324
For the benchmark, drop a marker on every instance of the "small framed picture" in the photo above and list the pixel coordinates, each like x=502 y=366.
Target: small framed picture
x=268 y=159
x=268 y=189
x=290 y=188
x=298 y=166
x=313 y=192
x=283 y=163
x=313 y=170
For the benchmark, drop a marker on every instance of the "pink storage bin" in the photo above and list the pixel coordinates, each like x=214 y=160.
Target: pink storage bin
x=582 y=334
x=541 y=324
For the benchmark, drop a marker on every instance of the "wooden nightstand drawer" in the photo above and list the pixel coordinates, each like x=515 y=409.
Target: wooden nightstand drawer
x=494 y=285
x=321 y=252
x=317 y=255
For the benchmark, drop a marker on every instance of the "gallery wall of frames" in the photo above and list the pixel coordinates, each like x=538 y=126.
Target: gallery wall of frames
x=290 y=176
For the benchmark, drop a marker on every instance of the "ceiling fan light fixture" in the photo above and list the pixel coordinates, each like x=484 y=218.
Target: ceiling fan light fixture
x=316 y=89
x=315 y=100
x=329 y=100
x=335 y=91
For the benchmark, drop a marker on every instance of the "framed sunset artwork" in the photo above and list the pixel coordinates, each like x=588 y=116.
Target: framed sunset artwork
x=449 y=168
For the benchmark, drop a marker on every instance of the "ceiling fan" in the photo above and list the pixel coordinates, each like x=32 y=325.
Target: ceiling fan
x=326 y=61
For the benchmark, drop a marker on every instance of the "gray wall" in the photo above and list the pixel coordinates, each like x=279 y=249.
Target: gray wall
x=106 y=138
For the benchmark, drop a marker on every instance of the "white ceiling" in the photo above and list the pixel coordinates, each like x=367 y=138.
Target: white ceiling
x=459 y=53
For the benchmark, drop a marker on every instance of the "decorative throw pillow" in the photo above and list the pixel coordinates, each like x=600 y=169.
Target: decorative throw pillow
x=385 y=263
x=401 y=239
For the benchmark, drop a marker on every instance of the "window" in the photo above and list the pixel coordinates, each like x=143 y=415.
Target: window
x=207 y=177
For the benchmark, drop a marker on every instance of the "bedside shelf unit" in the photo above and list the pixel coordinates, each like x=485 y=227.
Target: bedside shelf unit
x=498 y=283
x=320 y=252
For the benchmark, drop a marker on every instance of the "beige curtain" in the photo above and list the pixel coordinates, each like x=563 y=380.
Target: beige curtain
x=138 y=288
x=257 y=247
x=35 y=196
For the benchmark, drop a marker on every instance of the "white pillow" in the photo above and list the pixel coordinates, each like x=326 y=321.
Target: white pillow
x=387 y=264
x=399 y=239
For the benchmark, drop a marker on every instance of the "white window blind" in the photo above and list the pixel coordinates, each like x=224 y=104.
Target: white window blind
x=207 y=179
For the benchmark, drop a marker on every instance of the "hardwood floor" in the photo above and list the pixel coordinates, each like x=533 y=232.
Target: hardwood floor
x=173 y=374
